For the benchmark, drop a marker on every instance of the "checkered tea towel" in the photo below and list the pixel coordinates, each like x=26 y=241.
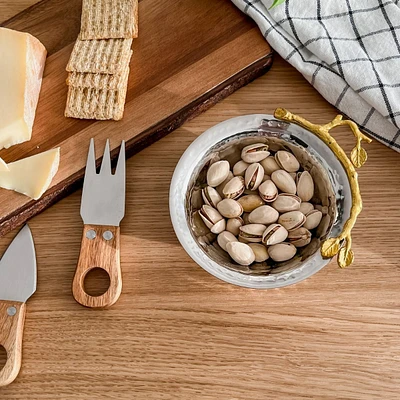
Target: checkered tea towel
x=349 y=50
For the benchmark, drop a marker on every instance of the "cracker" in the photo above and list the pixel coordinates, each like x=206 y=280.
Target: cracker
x=109 y=19
x=109 y=56
x=98 y=81
x=90 y=103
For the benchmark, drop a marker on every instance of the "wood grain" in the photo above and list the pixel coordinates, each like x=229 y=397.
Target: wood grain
x=178 y=333
x=185 y=60
x=98 y=252
x=11 y=332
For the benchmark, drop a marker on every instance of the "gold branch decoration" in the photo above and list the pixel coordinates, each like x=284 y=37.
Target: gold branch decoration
x=341 y=244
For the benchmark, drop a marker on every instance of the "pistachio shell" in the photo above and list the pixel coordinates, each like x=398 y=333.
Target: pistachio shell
x=313 y=219
x=252 y=232
x=245 y=217
x=230 y=208
x=217 y=173
x=224 y=238
x=305 y=185
x=240 y=168
x=248 y=191
x=274 y=234
x=234 y=188
x=323 y=226
x=266 y=178
x=260 y=251
x=282 y=251
x=220 y=187
x=253 y=176
x=250 y=202
x=286 y=202
x=323 y=209
x=284 y=181
x=264 y=215
x=292 y=220
x=218 y=227
x=300 y=237
x=210 y=216
x=269 y=164
x=268 y=191
x=241 y=253
x=287 y=161
x=233 y=225
x=306 y=207
x=210 y=196
x=293 y=175
x=255 y=152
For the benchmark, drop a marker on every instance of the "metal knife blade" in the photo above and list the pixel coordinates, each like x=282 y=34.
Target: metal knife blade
x=18 y=268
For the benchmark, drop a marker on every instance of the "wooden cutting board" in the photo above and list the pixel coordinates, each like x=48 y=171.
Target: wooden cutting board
x=189 y=55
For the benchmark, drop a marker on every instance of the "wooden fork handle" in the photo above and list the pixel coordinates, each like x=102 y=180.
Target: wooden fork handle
x=99 y=249
x=12 y=318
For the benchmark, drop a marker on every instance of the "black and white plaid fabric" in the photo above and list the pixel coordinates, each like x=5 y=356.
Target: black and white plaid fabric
x=349 y=50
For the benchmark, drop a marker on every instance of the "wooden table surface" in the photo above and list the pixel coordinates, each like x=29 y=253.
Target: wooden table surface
x=179 y=333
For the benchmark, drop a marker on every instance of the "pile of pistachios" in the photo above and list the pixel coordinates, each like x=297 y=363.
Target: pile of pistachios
x=261 y=209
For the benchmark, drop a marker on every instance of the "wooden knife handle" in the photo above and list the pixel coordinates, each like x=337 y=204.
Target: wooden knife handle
x=99 y=249
x=12 y=318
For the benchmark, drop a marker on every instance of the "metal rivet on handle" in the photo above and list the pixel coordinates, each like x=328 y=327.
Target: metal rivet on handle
x=11 y=311
x=91 y=234
x=107 y=235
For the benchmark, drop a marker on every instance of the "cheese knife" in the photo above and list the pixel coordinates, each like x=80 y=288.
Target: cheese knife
x=102 y=209
x=17 y=284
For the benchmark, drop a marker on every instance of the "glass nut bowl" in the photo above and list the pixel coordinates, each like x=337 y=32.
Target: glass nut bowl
x=336 y=188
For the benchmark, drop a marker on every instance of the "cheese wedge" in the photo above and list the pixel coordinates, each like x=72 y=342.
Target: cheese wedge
x=22 y=59
x=3 y=165
x=32 y=175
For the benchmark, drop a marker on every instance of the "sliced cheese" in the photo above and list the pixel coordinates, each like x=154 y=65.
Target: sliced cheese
x=3 y=165
x=32 y=175
x=22 y=59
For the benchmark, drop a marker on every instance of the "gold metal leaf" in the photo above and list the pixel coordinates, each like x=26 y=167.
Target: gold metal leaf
x=358 y=156
x=345 y=257
x=330 y=247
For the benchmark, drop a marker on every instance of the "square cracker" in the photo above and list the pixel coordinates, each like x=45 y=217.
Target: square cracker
x=111 y=56
x=109 y=19
x=90 y=103
x=98 y=81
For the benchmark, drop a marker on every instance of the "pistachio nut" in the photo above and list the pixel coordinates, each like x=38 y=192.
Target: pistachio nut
x=245 y=217
x=305 y=185
x=269 y=164
x=248 y=191
x=250 y=202
x=313 y=218
x=263 y=215
x=242 y=240
x=210 y=196
x=252 y=232
x=234 y=188
x=282 y=251
x=287 y=161
x=253 y=176
x=274 y=234
x=220 y=187
x=292 y=220
x=219 y=227
x=233 y=225
x=217 y=173
x=210 y=216
x=224 y=238
x=286 y=202
x=230 y=208
x=198 y=225
x=240 y=252
x=260 y=251
x=284 y=181
x=240 y=168
x=293 y=175
x=306 y=207
x=255 y=152
x=300 y=237
x=268 y=191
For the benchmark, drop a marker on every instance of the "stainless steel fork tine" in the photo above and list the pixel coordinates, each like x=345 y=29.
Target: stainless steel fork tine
x=105 y=168
x=91 y=161
x=120 y=170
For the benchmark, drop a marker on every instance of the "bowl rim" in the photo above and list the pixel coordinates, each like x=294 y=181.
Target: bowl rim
x=181 y=177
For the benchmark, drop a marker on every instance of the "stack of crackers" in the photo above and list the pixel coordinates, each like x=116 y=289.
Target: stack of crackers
x=99 y=64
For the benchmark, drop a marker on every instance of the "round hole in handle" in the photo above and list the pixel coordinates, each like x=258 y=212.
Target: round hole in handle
x=3 y=357
x=97 y=282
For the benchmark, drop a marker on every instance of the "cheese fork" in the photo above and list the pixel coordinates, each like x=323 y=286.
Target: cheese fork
x=102 y=209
